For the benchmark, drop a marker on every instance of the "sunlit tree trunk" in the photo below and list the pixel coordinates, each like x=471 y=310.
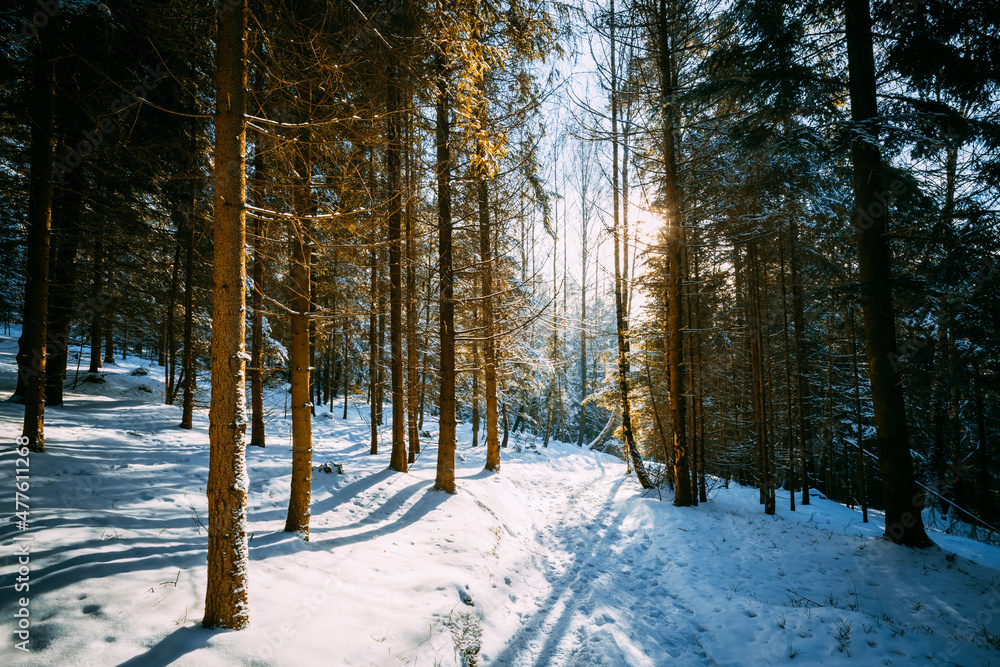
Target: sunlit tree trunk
x=228 y=559
x=299 y=353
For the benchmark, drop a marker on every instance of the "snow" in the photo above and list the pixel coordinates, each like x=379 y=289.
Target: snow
x=560 y=559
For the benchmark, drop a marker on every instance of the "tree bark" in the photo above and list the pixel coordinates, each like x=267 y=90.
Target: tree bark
x=299 y=356
x=489 y=344
x=412 y=372
x=66 y=210
x=257 y=431
x=632 y=450
x=903 y=522
x=445 y=476
x=228 y=559
x=394 y=167
x=171 y=356
x=189 y=373
x=96 y=323
x=802 y=390
x=675 y=249
x=36 y=293
x=373 y=373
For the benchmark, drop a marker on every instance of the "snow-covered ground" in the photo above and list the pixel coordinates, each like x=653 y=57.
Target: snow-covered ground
x=558 y=560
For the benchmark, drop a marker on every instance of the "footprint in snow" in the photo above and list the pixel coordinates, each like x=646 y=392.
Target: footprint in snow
x=602 y=619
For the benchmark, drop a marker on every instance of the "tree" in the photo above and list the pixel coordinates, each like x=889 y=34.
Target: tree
x=228 y=558
x=632 y=450
x=33 y=339
x=445 y=477
x=903 y=521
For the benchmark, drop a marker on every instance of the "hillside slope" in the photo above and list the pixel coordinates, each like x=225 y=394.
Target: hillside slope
x=558 y=560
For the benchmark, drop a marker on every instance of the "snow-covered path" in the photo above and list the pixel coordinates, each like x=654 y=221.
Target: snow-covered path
x=601 y=608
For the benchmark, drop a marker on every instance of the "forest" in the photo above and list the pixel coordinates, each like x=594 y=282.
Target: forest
x=716 y=250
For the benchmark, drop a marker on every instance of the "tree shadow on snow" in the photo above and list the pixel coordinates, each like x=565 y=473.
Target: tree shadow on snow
x=171 y=648
x=425 y=504
x=568 y=589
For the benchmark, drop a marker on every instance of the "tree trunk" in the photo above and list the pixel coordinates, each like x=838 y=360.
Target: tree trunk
x=789 y=433
x=675 y=248
x=445 y=477
x=489 y=344
x=984 y=487
x=582 y=434
x=394 y=167
x=632 y=450
x=96 y=323
x=189 y=373
x=228 y=560
x=373 y=374
x=257 y=430
x=36 y=293
x=412 y=372
x=346 y=371
x=301 y=304
x=903 y=522
x=475 y=386
x=109 y=331
x=170 y=370
x=801 y=385
x=65 y=224
x=861 y=466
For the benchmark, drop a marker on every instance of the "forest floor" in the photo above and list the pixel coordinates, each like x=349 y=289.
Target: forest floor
x=560 y=559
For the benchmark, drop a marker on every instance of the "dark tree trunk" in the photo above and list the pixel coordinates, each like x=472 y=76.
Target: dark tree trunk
x=36 y=291
x=98 y=319
x=257 y=434
x=109 y=333
x=394 y=167
x=373 y=374
x=903 y=521
x=675 y=250
x=802 y=390
x=171 y=361
x=65 y=224
x=445 y=476
x=189 y=373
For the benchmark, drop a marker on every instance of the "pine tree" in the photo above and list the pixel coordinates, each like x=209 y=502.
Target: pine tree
x=228 y=559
